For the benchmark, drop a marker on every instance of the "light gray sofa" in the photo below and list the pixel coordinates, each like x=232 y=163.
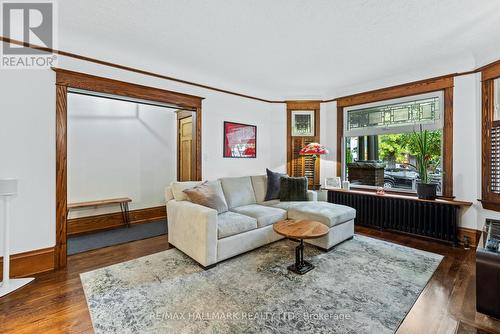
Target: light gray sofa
x=208 y=237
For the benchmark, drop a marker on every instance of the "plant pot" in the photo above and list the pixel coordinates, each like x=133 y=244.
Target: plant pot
x=427 y=190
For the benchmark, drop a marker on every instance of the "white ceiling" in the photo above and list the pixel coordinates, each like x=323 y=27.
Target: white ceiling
x=286 y=48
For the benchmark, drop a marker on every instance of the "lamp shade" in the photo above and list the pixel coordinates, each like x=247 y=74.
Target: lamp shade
x=313 y=149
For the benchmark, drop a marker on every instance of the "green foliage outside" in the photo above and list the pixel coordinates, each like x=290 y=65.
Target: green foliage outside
x=397 y=148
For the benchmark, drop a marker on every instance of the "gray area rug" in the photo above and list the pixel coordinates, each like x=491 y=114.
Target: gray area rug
x=84 y=243
x=364 y=285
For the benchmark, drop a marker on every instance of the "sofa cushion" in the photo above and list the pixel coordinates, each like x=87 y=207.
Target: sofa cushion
x=272 y=202
x=208 y=194
x=284 y=205
x=231 y=223
x=259 y=183
x=293 y=188
x=265 y=215
x=273 y=185
x=326 y=213
x=179 y=187
x=238 y=191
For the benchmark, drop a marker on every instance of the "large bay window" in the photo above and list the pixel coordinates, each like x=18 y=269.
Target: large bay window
x=377 y=146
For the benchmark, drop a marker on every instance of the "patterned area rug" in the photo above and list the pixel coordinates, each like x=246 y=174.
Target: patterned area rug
x=364 y=285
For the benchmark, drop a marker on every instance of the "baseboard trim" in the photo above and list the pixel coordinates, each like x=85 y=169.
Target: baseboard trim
x=474 y=236
x=109 y=221
x=30 y=263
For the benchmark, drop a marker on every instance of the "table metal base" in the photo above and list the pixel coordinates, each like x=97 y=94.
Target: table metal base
x=300 y=267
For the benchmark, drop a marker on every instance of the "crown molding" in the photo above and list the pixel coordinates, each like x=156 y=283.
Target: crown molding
x=220 y=90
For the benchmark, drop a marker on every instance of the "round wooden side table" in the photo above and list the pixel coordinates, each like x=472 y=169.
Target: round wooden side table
x=299 y=230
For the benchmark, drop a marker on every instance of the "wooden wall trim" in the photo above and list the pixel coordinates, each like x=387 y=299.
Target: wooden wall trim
x=413 y=88
x=448 y=143
x=31 y=263
x=108 y=221
x=60 y=251
x=474 y=236
x=491 y=71
x=302 y=105
x=65 y=79
x=117 y=87
x=486 y=68
x=131 y=69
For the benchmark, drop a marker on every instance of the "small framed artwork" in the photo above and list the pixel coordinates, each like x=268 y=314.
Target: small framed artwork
x=333 y=182
x=240 y=140
x=303 y=123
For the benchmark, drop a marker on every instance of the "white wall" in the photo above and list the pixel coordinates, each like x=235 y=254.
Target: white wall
x=328 y=136
x=119 y=149
x=467 y=149
x=27 y=140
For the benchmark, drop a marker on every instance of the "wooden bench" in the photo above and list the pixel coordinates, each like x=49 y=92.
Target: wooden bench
x=123 y=201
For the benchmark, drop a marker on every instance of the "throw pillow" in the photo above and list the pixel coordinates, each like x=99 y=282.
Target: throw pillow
x=208 y=194
x=273 y=185
x=179 y=187
x=293 y=189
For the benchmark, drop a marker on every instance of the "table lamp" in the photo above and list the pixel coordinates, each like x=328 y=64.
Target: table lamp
x=313 y=150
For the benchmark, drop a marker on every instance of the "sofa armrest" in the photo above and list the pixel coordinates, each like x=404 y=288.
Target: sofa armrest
x=312 y=196
x=192 y=228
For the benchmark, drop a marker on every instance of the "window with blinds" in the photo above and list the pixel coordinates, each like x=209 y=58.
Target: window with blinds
x=490 y=185
x=302 y=129
x=495 y=159
x=495 y=141
x=302 y=165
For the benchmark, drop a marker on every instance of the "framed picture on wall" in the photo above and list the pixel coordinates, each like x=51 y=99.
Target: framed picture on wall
x=240 y=140
x=303 y=123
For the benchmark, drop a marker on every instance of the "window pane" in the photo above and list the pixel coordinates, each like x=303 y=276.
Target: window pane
x=389 y=161
x=422 y=111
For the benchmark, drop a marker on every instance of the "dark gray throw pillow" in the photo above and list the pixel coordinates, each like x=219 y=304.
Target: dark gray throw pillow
x=273 y=185
x=293 y=189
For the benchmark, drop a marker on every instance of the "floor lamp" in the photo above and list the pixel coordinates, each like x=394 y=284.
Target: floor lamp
x=8 y=189
x=313 y=150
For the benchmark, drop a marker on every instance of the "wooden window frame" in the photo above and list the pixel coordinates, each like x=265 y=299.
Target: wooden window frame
x=65 y=80
x=489 y=74
x=444 y=84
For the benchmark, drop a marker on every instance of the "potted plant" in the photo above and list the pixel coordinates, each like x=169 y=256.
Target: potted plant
x=421 y=143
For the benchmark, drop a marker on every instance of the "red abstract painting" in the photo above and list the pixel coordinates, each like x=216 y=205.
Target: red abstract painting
x=240 y=140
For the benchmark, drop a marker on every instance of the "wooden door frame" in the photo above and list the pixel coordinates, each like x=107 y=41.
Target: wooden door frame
x=69 y=79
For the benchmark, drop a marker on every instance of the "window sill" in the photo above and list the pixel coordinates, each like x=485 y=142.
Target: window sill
x=490 y=205
x=410 y=197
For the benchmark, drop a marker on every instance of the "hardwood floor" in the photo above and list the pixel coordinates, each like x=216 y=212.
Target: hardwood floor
x=55 y=302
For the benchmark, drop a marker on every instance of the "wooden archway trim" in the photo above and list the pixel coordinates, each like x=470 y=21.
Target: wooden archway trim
x=69 y=79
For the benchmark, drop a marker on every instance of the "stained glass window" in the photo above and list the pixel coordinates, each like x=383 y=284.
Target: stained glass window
x=407 y=113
